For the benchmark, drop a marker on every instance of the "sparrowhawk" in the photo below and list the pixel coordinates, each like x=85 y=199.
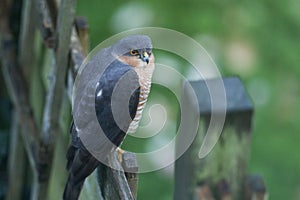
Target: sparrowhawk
x=113 y=88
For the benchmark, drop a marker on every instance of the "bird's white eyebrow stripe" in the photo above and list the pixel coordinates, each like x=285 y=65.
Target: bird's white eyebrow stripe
x=99 y=93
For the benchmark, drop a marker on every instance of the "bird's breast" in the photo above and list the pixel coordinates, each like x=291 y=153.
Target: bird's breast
x=145 y=75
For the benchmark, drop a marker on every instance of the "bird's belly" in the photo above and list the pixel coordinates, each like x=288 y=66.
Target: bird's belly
x=142 y=102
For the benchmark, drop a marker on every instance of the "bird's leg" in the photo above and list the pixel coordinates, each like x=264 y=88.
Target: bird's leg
x=120 y=154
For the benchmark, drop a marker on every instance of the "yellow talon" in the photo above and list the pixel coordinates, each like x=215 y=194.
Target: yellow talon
x=120 y=154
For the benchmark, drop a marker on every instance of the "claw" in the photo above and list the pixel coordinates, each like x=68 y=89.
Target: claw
x=120 y=154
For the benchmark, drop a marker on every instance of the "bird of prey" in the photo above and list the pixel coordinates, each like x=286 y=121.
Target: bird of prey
x=111 y=92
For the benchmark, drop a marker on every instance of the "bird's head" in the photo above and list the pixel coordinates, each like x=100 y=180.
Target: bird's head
x=135 y=50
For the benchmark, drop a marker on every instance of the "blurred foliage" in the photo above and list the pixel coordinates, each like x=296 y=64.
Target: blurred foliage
x=257 y=40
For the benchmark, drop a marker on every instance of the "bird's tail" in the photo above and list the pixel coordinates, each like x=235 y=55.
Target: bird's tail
x=80 y=165
x=72 y=189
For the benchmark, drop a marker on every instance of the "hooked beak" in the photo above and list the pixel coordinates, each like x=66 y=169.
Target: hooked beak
x=145 y=57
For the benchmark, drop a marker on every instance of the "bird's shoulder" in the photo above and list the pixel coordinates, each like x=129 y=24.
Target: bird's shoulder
x=117 y=73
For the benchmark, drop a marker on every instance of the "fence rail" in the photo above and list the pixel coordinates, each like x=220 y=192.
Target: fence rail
x=223 y=173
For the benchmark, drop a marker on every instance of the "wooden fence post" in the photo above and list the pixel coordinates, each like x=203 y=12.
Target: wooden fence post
x=222 y=173
x=16 y=159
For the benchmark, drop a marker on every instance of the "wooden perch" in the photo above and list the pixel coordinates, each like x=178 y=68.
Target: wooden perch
x=130 y=166
x=113 y=183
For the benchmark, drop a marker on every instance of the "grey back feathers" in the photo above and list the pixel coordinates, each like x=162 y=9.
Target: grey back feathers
x=86 y=81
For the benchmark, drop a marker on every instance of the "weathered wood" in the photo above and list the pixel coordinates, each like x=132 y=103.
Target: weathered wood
x=59 y=174
x=45 y=23
x=185 y=181
x=16 y=162
x=56 y=91
x=52 y=6
x=17 y=88
x=113 y=183
x=223 y=190
x=59 y=70
x=203 y=192
x=26 y=38
x=79 y=50
x=229 y=158
x=255 y=188
x=130 y=166
x=83 y=29
x=4 y=19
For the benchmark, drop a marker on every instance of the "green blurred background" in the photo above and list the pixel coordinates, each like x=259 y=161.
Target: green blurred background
x=256 y=40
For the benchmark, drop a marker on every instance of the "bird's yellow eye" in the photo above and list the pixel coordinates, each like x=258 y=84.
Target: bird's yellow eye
x=134 y=52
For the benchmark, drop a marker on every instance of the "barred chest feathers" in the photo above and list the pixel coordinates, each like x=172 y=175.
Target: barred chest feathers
x=145 y=75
